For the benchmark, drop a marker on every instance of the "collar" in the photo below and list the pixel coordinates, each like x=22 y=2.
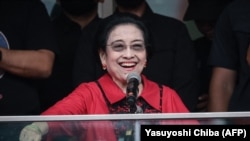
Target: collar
x=150 y=92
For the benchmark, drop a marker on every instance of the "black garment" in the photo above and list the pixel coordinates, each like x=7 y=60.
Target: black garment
x=172 y=63
x=173 y=57
x=229 y=50
x=60 y=82
x=87 y=66
x=202 y=47
x=207 y=10
x=27 y=26
x=69 y=34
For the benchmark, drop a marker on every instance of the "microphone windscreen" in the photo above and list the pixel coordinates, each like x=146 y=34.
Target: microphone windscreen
x=134 y=75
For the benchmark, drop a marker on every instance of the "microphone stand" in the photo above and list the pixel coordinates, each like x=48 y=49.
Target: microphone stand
x=133 y=133
x=137 y=127
x=129 y=135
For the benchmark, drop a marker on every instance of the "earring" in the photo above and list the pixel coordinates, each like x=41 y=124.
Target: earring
x=104 y=67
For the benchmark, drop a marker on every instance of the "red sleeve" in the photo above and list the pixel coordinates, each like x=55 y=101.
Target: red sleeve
x=172 y=103
x=74 y=103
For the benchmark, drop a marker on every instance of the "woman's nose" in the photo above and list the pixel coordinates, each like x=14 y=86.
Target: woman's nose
x=129 y=53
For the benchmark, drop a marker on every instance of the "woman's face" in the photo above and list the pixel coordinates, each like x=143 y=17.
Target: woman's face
x=125 y=52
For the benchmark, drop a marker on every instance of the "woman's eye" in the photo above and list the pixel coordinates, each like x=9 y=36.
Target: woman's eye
x=138 y=46
x=118 y=47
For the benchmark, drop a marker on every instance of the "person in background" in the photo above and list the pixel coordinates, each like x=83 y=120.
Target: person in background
x=86 y=65
x=230 y=88
x=76 y=19
x=27 y=51
x=172 y=62
x=123 y=44
x=204 y=13
x=29 y=57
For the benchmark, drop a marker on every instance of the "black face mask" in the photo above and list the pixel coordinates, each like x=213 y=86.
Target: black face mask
x=78 y=7
x=129 y=3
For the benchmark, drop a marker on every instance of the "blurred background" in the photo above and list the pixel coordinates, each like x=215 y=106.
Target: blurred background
x=171 y=8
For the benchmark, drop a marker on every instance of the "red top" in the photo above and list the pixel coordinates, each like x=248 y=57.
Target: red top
x=87 y=98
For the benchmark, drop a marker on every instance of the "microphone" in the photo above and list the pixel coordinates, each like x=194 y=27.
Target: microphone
x=133 y=81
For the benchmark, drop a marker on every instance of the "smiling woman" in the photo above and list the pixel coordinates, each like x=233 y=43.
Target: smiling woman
x=122 y=45
x=124 y=52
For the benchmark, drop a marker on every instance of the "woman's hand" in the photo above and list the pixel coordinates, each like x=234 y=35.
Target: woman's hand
x=34 y=131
